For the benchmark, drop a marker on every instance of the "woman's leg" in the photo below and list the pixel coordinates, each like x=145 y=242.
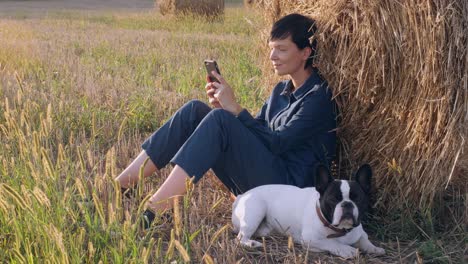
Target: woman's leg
x=163 y=144
x=223 y=143
x=129 y=177
x=173 y=186
x=236 y=155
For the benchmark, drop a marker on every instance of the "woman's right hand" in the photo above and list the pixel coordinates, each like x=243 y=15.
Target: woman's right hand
x=210 y=90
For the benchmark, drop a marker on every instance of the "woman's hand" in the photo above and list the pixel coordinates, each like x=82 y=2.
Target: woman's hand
x=224 y=95
x=210 y=91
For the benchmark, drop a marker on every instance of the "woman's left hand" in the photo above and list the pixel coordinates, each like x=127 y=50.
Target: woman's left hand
x=225 y=95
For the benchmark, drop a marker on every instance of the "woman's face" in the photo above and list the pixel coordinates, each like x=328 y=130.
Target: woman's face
x=286 y=57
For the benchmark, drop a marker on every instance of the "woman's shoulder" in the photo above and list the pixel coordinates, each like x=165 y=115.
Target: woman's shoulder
x=318 y=82
x=318 y=87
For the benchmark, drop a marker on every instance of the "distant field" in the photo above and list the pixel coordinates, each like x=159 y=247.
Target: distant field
x=43 y=6
x=79 y=92
x=35 y=7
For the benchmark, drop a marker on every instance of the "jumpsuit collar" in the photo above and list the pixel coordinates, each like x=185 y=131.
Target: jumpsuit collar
x=304 y=88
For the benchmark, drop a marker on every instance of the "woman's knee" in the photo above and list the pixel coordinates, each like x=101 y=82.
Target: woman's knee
x=221 y=118
x=195 y=109
x=195 y=105
x=220 y=114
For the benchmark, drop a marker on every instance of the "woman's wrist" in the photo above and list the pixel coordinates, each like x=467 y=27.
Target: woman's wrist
x=237 y=110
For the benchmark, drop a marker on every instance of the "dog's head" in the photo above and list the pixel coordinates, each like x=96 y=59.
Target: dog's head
x=343 y=202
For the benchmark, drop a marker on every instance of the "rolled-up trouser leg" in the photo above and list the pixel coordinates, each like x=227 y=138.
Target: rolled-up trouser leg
x=238 y=158
x=163 y=144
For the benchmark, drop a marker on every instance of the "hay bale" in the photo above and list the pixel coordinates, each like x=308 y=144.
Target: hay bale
x=248 y=3
x=253 y=3
x=165 y=6
x=211 y=8
x=399 y=71
x=271 y=7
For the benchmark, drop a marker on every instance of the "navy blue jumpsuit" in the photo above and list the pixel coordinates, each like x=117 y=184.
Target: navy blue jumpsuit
x=293 y=132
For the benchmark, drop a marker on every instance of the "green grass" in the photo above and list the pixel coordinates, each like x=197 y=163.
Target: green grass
x=79 y=94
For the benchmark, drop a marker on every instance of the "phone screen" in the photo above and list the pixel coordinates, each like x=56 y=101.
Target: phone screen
x=210 y=66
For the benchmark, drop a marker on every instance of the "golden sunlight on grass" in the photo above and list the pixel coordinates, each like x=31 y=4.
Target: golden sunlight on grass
x=79 y=92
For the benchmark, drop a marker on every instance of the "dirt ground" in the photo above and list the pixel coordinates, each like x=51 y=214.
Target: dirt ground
x=9 y=8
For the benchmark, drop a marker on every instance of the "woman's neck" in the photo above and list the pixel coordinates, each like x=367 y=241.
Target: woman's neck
x=299 y=77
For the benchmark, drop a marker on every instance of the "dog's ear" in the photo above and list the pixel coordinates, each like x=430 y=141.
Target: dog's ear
x=322 y=178
x=363 y=177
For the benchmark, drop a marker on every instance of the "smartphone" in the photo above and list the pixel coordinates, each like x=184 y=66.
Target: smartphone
x=210 y=66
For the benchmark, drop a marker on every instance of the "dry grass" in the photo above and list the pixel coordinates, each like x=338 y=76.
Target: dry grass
x=78 y=94
x=201 y=7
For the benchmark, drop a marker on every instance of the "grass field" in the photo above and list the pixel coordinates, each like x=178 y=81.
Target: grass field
x=80 y=91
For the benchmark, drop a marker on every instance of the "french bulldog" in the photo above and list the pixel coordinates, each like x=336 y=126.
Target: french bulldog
x=326 y=217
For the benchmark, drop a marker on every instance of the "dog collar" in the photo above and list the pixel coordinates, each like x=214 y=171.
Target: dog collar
x=339 y=231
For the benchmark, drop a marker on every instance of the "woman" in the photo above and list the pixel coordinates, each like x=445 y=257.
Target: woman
x=293 y=132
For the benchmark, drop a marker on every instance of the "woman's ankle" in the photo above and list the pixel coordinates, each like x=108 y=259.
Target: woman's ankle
x=158 y=207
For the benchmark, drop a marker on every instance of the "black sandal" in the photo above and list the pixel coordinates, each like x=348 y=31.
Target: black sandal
x=148 y=218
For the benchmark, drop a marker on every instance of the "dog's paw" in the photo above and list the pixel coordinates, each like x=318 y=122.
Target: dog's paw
x=346 y=252
x=377 y=251
x=251 y=243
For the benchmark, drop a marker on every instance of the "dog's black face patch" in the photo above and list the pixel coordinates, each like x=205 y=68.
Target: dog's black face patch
x=330 y=198
x=360 y=199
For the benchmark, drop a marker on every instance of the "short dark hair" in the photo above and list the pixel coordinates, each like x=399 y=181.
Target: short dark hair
x=300 y=28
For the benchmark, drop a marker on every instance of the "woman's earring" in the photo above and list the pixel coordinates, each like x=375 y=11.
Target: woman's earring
x=313 y=45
